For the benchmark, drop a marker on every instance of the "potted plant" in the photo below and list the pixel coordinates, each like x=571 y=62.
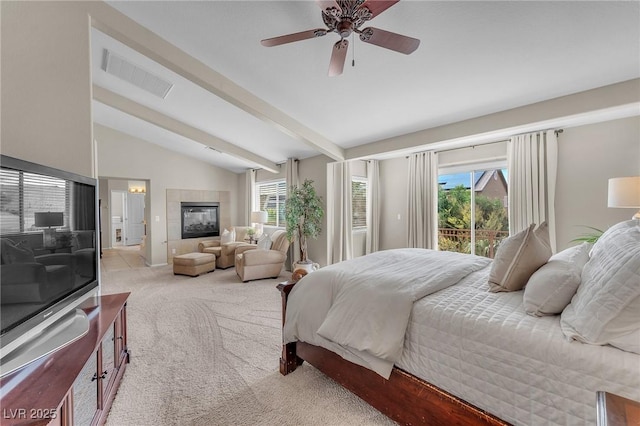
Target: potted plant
x=251 y=233
x=303 y=216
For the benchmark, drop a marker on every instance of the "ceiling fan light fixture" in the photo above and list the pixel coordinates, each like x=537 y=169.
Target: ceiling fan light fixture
x=344 y=17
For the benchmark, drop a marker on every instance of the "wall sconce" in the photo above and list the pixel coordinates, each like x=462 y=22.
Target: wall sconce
x=624 y=192
x=259 y=218
x=136 y=190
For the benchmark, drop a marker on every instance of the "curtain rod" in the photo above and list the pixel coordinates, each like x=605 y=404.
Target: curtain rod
x=557 y=132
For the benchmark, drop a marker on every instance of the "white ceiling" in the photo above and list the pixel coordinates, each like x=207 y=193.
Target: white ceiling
x=475 y=58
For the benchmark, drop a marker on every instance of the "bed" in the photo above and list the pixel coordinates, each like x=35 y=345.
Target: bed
x=469 y=355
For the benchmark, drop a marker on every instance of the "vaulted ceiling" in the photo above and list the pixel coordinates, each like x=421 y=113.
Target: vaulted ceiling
x=265 y=104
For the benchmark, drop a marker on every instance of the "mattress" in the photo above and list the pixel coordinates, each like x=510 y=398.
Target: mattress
x=484 y=348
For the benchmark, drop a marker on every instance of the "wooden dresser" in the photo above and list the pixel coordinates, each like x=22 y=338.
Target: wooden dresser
x=76 y=384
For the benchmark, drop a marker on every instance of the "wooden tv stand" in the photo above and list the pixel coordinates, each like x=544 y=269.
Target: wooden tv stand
x=76 y=384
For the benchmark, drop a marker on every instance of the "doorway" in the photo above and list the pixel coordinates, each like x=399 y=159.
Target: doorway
x=127 y=218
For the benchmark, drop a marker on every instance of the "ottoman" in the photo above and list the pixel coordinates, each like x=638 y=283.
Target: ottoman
x=194 y=264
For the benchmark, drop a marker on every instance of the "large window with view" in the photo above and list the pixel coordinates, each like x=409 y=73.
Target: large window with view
x=358 y=203
x=472 y=210
x=270 y=197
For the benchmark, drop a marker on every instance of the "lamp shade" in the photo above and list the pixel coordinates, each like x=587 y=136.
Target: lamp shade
x=44 y=219
x=259 y=217
x=624 y=192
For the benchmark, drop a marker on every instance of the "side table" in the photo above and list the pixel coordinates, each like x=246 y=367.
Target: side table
x=614 y=410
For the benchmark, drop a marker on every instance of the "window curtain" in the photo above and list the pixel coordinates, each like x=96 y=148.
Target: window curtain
x=250 y=181
x=373 y=207
x=84 y=213
x=292 y=179
x=533 y=164
x=339 y=214
x=422 y=211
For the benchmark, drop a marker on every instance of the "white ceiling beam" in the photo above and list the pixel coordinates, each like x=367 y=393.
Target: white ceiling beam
x=120 y=27
x=152 y=116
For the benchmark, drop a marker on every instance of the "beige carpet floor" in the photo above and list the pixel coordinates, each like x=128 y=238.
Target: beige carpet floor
x=205 y=351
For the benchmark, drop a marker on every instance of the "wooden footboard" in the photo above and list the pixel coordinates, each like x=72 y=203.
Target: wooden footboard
x=403 y=398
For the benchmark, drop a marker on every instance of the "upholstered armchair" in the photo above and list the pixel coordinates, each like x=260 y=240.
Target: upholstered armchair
x=226 y=252
x=258 y=264
x=33 y=279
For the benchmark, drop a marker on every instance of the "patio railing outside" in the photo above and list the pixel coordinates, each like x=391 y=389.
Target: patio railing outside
x=459 y=240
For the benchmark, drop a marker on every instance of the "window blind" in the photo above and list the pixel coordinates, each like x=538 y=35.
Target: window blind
x=23 y=194
x=271 y=197
x=358 y=203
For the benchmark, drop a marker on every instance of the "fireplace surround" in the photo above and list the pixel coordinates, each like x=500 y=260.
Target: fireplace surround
x=200 y=219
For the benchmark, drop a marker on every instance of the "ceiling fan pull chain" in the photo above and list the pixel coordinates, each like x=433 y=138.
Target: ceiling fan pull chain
x=353 y=51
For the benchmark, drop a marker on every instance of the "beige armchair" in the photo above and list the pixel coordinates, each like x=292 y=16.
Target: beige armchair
x=258 y=264
x=226 y=252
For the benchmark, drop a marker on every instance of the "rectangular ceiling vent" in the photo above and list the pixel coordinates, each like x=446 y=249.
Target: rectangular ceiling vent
x=120 y=67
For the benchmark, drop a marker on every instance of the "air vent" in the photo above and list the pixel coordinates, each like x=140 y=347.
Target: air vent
x=120 y=67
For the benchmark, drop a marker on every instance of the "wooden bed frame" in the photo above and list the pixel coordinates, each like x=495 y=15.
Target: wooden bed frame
x=403 y=398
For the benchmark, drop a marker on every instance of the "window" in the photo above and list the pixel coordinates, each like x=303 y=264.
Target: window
x=23 y=194
x=473 y=221
x=270 y=197
x=358 y=202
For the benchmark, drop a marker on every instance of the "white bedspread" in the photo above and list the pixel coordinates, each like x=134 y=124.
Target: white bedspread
x=369 y=311
x=483 y=348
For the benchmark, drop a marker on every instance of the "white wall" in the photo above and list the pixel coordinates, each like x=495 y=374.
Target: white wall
x=123 y=156
x=588 y=156
x=46 y=85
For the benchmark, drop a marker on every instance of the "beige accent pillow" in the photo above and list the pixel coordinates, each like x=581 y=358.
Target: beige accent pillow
x=228 y=236
x=550 y=288
x=518 y=257
x=264 y=242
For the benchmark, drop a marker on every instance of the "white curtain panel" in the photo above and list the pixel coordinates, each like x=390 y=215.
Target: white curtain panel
x=292 y=179
x=422 y=209
x=373 y=207
x=533 y=167
x=339 y=225
x=250 y=182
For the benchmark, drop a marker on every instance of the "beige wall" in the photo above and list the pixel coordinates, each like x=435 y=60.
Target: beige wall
x=315 y=168
x=123 y=156
x=588 y=156
x=46 y=85
x=393 y=205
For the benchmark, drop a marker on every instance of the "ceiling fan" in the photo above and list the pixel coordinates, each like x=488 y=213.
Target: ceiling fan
x=345 y=17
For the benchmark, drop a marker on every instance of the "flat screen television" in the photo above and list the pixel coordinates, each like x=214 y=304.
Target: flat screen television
x=49 y=259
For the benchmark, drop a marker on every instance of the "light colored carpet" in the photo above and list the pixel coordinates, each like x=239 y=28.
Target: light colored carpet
x=205 y=351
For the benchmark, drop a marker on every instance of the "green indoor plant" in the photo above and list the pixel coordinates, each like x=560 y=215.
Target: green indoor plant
x=589 y=237
x=303 y=216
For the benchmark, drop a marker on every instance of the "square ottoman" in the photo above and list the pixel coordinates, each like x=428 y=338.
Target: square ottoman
x=194 y=264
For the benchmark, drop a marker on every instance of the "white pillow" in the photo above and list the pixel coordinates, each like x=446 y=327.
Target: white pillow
x=264 y=242
x=227 y=236
x=550 y=288
x=606 y=306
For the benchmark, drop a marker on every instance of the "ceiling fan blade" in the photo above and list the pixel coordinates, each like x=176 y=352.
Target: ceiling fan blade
x=376 y=7
x=289 y=38
x=338 y=57
x=389 y=40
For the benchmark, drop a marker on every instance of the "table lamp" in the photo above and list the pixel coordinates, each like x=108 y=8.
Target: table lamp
x=259 y=218
x=47 y=220
x=624 y=192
